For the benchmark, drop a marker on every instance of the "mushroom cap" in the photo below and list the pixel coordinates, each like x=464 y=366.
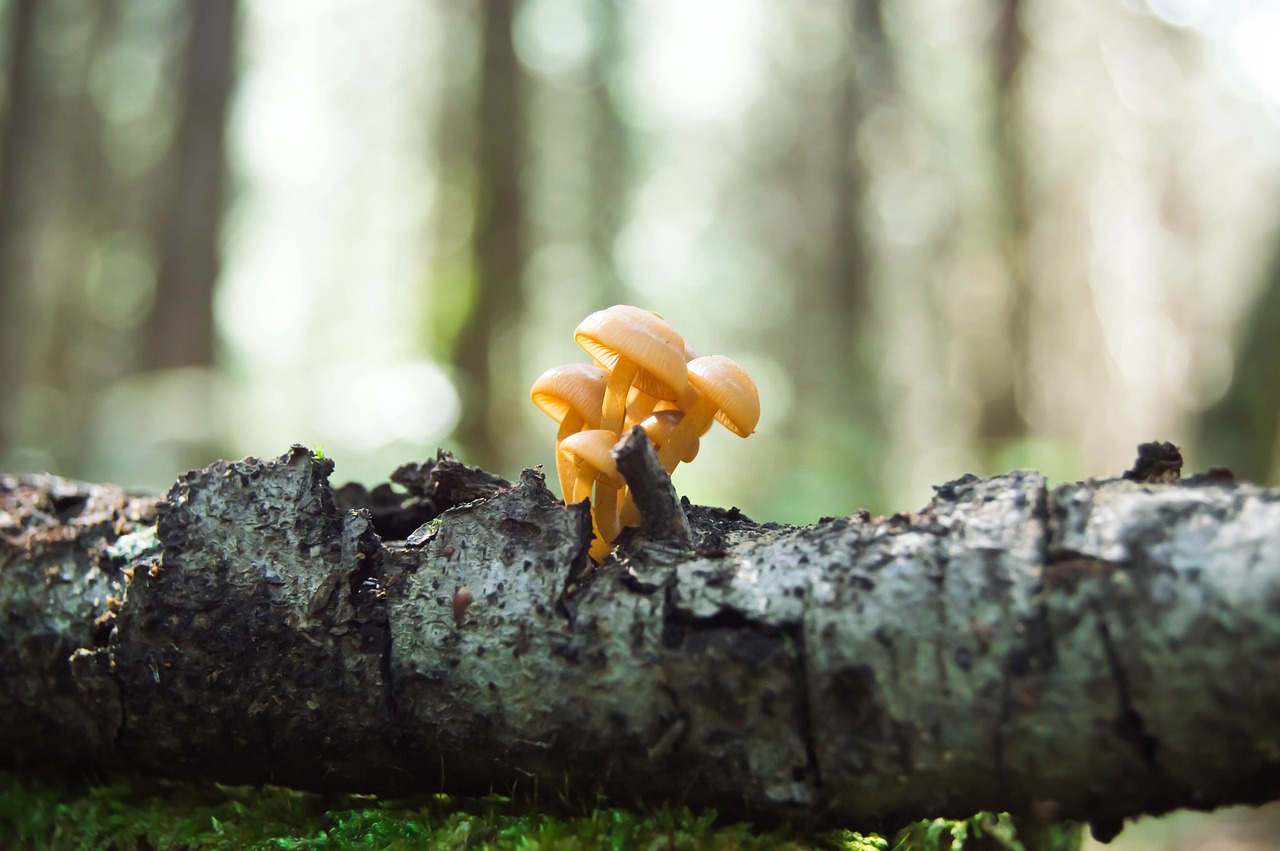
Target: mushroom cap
x=659 y=426
x=641 y=337
x=576 y=387
x=728 y=386
x=591 y=447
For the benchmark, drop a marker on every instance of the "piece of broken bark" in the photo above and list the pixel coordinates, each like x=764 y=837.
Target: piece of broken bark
x=427 y=488
x=662 y=517
x=1094 y=651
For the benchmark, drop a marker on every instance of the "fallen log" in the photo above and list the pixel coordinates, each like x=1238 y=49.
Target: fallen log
x=1092 y=651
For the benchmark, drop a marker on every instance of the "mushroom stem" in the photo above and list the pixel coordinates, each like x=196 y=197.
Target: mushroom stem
x=606 y=515
x=628 y=513
x=604 y=510
x=638 y=409
x=590 y=453
x=571 y=424
x=698 y=414
x=615 y=395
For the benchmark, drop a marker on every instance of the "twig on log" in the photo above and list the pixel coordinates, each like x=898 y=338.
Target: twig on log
x=662 y=519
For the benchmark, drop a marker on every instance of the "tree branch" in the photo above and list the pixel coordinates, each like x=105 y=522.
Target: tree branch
x=1092 y=652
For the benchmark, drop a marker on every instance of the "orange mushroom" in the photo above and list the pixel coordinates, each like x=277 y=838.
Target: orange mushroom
x=638 y=348
x=643 y=373
x=660 y=425
x=588 y=451
x=640 y=404
x=718 y=389
x=572 y=395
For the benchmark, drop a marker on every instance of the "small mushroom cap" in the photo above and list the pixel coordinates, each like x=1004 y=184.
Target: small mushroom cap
x=727 y=384
x=641 y=337
x=591 y=448
x=576 y=387
x=659 y=426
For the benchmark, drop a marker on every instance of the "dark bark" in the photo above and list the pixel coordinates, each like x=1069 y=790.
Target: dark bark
x=1091 y=652
x=180 y=328
x=663 y=520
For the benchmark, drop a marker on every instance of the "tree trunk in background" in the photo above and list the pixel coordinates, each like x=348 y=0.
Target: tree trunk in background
x=497 y=243
x=19 y=142
x=611 y=158
x=821 y=170
x=79 y=204
x=869 y=76
x=848 y=280
x=1241 y=431
x=180 y=328
x=1001 y=419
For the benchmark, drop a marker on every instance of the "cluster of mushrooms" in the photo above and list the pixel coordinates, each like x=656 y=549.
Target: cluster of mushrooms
x=644 y=374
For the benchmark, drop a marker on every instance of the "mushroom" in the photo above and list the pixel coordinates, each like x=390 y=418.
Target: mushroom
x=718 y=389
x=658 y=426
x=640 y=404
x=572 y=395
x=638 y=348
x=588 y=451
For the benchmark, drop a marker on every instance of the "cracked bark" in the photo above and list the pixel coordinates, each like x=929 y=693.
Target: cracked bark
x=1092 y=651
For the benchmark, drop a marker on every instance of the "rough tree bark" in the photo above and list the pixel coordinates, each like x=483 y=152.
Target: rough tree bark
x=1091 y=651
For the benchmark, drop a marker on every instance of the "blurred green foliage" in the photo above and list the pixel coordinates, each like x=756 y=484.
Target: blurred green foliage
x=989 y=234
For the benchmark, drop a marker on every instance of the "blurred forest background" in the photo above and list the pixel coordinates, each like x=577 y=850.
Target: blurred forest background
x=944 y=235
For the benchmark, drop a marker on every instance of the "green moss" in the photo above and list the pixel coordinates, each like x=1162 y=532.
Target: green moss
x=988 y=832
x=126 y=813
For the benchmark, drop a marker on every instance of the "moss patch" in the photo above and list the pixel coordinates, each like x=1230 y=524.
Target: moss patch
x=135 y=814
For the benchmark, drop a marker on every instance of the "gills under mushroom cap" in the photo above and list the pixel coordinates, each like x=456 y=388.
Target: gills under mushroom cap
x=718 y=389
x=572 y=395
x=569 y=389
x=590 y=453
x=727 y=384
